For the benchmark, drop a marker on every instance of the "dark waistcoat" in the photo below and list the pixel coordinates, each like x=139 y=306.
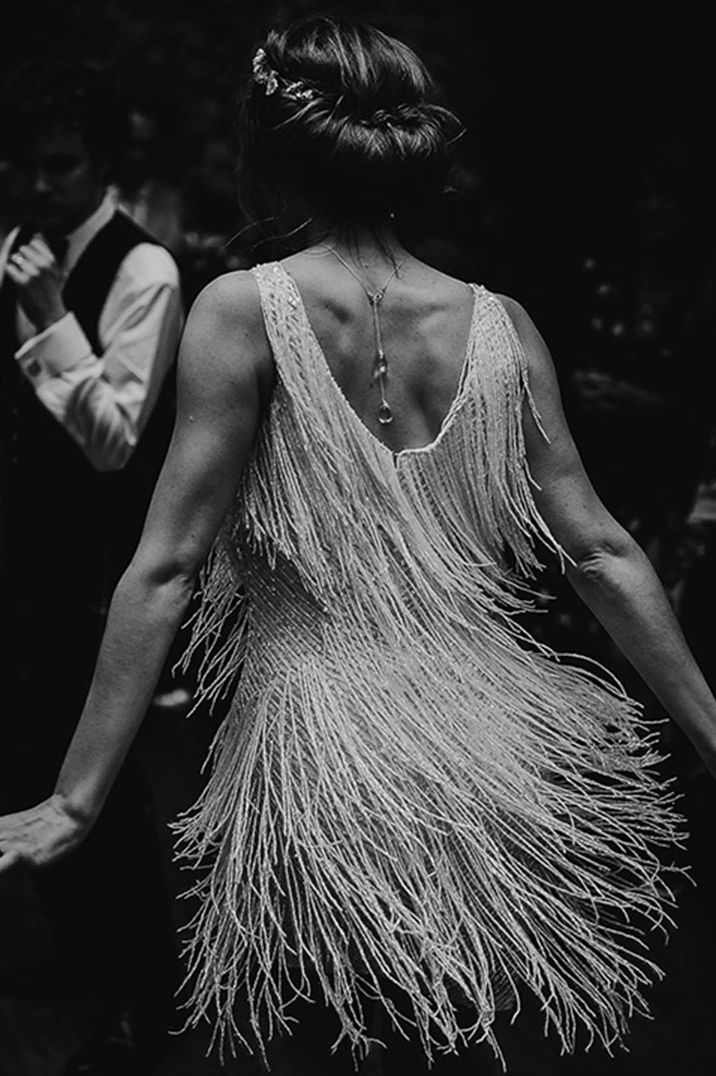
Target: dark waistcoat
x=67 y=530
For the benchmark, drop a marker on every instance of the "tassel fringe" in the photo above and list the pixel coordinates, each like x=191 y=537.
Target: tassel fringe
x=409 y=797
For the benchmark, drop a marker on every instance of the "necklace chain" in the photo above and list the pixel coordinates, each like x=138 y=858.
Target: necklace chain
x=380 y=368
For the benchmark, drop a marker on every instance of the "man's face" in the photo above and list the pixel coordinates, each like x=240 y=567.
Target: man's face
x=59 y=183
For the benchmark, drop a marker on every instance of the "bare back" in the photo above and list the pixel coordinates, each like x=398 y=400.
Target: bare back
x=425 y=320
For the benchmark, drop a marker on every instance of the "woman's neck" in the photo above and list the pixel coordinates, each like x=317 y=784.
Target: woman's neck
x=364 y=245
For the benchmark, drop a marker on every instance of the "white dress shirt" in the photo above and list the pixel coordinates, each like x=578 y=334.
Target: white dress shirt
x=104 y=401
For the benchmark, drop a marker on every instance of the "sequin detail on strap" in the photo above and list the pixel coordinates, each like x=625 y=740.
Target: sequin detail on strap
x=407 y=789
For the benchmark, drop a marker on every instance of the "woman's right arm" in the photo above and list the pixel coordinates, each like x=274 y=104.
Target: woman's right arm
x=224 y=377
x=609 y=570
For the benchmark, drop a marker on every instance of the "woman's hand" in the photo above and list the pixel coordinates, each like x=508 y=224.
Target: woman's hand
x=40 y=835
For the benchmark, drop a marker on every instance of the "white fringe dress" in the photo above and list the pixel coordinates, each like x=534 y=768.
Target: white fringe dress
x=408 y=793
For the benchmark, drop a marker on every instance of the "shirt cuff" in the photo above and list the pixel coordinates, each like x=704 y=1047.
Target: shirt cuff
x=60 y=347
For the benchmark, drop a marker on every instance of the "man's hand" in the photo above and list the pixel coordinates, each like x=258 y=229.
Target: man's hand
x=40 y=835
x=39 y=281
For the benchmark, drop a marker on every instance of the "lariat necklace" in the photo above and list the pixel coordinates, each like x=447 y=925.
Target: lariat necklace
x=380 y=367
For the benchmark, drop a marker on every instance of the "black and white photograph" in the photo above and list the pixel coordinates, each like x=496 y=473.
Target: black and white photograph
x=357 y=539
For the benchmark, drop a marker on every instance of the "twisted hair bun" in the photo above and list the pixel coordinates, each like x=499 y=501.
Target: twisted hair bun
x=349 y=117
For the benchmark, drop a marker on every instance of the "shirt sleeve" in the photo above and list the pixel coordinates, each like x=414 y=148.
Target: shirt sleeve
x=104 y=401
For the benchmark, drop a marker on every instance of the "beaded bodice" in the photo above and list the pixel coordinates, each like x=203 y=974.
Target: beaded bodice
x=352 y=524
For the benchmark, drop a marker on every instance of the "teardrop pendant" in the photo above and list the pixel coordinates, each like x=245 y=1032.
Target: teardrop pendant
x=380 y=365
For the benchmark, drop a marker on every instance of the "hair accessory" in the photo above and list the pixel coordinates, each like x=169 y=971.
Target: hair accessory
x=265 y=75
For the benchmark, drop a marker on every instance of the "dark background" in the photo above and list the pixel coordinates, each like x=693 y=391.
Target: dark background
x=587 y=186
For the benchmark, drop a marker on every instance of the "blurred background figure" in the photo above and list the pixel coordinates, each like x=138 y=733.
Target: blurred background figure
x=90 y=318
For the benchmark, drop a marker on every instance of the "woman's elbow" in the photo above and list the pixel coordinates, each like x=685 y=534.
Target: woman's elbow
x=605 y=560
x=177 y=569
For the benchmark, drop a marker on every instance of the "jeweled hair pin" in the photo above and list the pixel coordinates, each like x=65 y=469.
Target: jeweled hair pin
x=265 y=75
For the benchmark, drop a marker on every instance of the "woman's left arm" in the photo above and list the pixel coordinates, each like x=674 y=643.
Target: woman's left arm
x=609 y=570
x=224 y=376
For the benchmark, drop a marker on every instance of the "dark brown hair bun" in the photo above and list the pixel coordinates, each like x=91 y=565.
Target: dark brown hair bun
x=348 y=117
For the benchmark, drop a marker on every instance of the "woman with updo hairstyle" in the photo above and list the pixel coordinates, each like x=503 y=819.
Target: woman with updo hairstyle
x=351 y=124
x=417 y=817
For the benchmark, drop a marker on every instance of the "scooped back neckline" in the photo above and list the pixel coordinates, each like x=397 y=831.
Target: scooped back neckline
x=452 y=410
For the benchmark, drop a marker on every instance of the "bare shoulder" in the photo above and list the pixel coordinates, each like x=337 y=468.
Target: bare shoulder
x=230 y=301
x=225 y=328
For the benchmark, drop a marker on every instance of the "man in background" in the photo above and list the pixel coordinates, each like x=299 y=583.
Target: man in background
x=90 y=318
